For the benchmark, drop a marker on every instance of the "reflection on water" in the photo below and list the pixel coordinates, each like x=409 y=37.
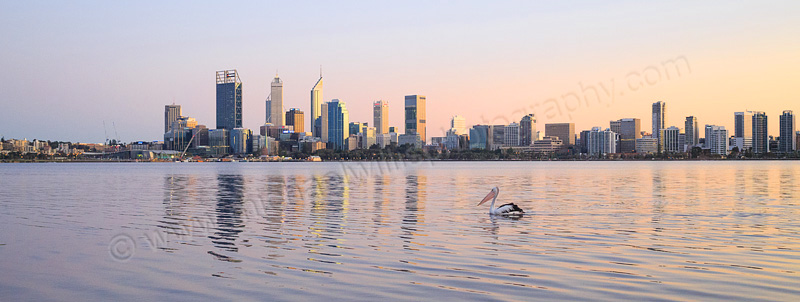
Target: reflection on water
x=408 y=231
x=230 y=202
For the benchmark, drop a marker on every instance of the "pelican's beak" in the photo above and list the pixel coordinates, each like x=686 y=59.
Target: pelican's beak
x=488 y=197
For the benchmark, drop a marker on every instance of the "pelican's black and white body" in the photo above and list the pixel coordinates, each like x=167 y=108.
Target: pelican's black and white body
x=508 y=209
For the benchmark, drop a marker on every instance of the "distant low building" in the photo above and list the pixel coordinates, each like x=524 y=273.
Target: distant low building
x=647 y=144
x=547 y=144
x=413 y=139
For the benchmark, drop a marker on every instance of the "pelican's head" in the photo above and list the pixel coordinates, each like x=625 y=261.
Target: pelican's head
x=492 y=195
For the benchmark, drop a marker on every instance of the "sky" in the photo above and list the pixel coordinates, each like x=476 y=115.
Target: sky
x=72 y=67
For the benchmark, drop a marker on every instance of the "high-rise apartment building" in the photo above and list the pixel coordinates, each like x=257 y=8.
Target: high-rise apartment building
x=511 y=135
x=415 y=116
x=316 y=107
x=296 y=118
x=717 y=139
x=601 y=142
x=692 y=129
x=743 y=130
x=171 y=114
x=380 y=116
x=275 y=103
x=760 y=135
x=787 y=143
x=229 y=100
x=527 y=130
x=564 y=131
x=669 y=140
x=338 y=124
x=659 y=117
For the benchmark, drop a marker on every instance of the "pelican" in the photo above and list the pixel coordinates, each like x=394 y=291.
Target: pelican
x=508 y=209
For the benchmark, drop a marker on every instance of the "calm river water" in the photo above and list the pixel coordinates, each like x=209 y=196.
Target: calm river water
x=717 y=230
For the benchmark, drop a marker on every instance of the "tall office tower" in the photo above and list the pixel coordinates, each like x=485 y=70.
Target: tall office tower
x=717 y=139
x=527 y=130
x=692 y=131
x=669 y=140
x=323 y=118
x=760 y=136
x=296 y=119
x=171 y=114
x=564 y=131
x=338 y=124
x=275 y=103
x=459 y=123
x=787 y=132
x=659 y=117
x=511 y=135
x=316 y=108
x=743 y=129
x=415 y=116
x=380 y=116
x=229 y=100
x=629 y=129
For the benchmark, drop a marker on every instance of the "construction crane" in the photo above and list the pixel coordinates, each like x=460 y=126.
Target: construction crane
x=115 y=133
x=105 y=131
x=187 y=145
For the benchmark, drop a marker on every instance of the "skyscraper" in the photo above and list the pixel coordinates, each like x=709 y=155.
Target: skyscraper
x=692 y=129
x=659 y=117
x=629 y=129
x=171 y=114
x=415 y=116
x=338 y=124
x=380 y=116
x=296 y=119
x=275 y=103
x=787 y=132
x=229 y=100
x=527 y=130
x=564 y=131
x=316 y=107
x=760 y=136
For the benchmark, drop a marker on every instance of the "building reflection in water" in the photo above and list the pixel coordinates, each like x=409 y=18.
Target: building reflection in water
x=276 y=200
x=178 y=204
x=230 y=203
x=787 y=184
x=414 y=210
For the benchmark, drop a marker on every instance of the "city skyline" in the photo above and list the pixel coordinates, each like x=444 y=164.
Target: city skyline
x=698 y=60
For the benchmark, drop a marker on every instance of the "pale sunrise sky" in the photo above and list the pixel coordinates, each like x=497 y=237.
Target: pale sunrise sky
x=70 y=66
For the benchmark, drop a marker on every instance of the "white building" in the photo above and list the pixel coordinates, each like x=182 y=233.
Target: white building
x=511 y=135
x=717 y=139
x=600 y=143
x=669 y=140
